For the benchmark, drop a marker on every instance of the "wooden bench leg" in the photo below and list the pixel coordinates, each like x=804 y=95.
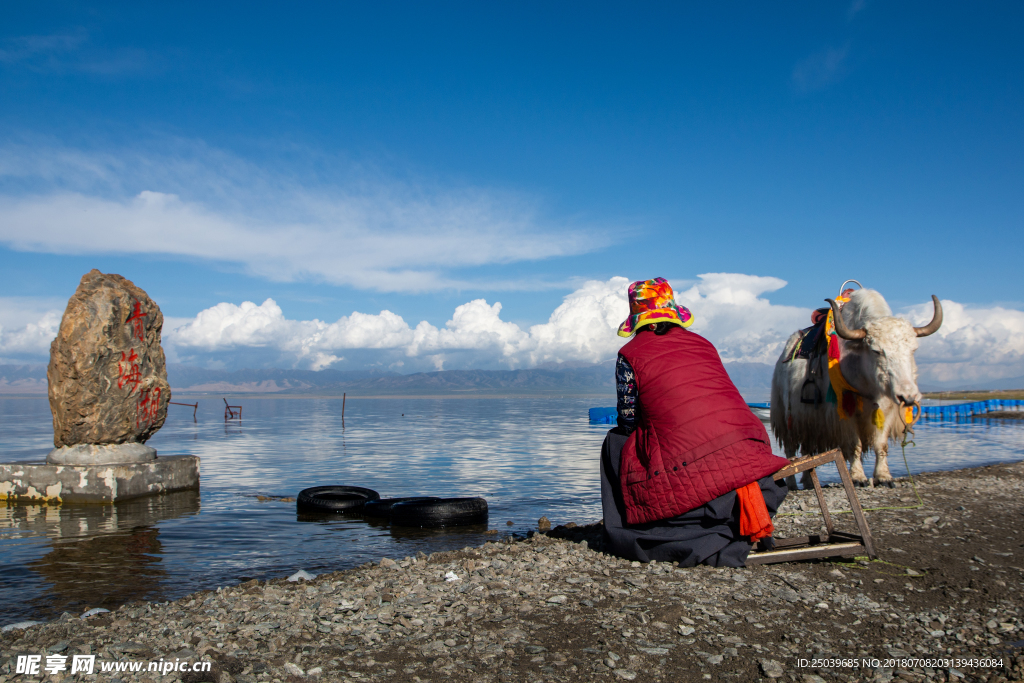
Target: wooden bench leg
x=821 y=501
x=858 y=514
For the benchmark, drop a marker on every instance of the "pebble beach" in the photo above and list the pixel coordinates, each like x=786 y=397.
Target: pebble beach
x=941 y=603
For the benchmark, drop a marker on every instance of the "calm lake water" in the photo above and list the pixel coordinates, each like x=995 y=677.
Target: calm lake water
x=527 y=456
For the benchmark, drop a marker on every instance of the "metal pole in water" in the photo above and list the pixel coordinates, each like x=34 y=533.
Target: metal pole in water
x=343 y=410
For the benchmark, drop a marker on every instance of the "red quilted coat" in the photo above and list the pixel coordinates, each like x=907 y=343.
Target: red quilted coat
x=695 y=437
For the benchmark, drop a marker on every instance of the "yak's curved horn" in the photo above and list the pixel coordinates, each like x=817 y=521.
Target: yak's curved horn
x=841 y=329
x=936 y=322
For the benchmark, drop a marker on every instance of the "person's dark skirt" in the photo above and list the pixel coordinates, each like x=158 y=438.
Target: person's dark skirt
x=705 y=535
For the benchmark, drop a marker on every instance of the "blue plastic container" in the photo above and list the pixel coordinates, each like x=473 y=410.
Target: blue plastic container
x=604 y=415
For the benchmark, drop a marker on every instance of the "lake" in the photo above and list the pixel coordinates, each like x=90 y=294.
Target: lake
x=527 y=456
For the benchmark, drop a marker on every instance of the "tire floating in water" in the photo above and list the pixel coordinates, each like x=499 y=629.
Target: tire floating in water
x=335 y=498
x=382 y=507
x=440 y=512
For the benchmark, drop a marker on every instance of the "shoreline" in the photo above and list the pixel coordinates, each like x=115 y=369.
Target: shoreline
x=947 y=586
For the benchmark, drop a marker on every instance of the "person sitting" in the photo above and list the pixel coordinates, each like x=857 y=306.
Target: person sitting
x=686 y=475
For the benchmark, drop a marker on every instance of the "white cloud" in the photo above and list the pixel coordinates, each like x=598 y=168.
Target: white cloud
x=973 y=343
x=820 y=69
x=27 y=326
x=732 y=310
x=29 y=48
x=70 y=52
x=361 y=230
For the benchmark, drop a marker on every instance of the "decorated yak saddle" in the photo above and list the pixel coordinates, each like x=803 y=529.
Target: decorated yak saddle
x=812 y=339
x=817 y=340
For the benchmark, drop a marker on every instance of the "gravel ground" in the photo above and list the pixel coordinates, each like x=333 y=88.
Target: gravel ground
x=942 y=603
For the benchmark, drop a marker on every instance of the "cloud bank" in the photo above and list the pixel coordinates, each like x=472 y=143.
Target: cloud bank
x=732 y=310
x=972 y=344
x=192 y=202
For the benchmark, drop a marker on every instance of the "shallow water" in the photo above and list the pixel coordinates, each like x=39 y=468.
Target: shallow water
x=527 y=456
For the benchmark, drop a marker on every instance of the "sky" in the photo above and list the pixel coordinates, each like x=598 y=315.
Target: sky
x=414 y=186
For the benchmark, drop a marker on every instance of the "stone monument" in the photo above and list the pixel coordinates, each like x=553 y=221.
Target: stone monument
x=108 y=394
x=107 y=375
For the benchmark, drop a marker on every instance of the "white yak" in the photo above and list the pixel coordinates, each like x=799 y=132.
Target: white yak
x=877 y=360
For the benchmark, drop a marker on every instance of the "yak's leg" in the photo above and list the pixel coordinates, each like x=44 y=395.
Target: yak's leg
x=852 y=455
x=882 y=476
x=791 y=456
x=806 y=481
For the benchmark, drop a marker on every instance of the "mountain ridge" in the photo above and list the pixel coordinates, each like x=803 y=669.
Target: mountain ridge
x=583 y=379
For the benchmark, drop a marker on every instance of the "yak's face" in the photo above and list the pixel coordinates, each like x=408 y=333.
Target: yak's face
x=882 y=364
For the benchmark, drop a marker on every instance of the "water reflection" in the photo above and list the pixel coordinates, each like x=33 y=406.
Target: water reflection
x=346 y=523
x=99 y=555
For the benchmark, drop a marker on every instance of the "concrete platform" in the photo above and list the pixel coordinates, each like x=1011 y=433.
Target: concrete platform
x=24 y=482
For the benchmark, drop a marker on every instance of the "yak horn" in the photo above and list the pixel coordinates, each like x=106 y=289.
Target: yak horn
x=841 y=329
x=936 y=322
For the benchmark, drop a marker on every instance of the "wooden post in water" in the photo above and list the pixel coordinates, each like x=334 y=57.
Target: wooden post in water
x=193 y=406
x=343 y=410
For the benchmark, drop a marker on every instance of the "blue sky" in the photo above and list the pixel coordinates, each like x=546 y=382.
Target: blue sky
x=414 y=157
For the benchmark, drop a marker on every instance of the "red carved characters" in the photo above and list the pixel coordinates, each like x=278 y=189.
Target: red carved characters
x=149 y=403
x=138 y=321
x=129 y=373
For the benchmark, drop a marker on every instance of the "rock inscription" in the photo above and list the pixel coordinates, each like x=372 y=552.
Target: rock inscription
x=107 y=374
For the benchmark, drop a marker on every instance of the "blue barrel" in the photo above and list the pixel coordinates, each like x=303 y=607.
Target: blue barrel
x=604 y=415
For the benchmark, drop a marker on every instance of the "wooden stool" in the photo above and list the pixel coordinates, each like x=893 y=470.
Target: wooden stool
x=834 y=543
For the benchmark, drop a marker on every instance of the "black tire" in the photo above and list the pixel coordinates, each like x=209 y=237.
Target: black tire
x=334 y=498
x=382 y=506
x=440 y=512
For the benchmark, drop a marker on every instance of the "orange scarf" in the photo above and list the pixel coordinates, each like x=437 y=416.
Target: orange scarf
x=754 y=519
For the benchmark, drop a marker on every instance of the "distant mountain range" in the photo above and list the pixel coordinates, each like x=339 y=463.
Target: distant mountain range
x=753 y=379
x=1006 y=384
x=22 y=379
x=587 y=380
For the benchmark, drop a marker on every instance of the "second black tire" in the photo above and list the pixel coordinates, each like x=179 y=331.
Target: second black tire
x=440 y=512
x=335 y=498
x=382 y=507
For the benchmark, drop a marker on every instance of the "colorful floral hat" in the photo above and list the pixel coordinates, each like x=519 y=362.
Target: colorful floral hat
x=652 y=301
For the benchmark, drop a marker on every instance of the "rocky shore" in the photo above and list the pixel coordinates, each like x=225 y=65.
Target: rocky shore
x=942 y=603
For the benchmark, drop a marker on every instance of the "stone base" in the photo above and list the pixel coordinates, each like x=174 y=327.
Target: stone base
x=44 y=483
x=101 y=454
